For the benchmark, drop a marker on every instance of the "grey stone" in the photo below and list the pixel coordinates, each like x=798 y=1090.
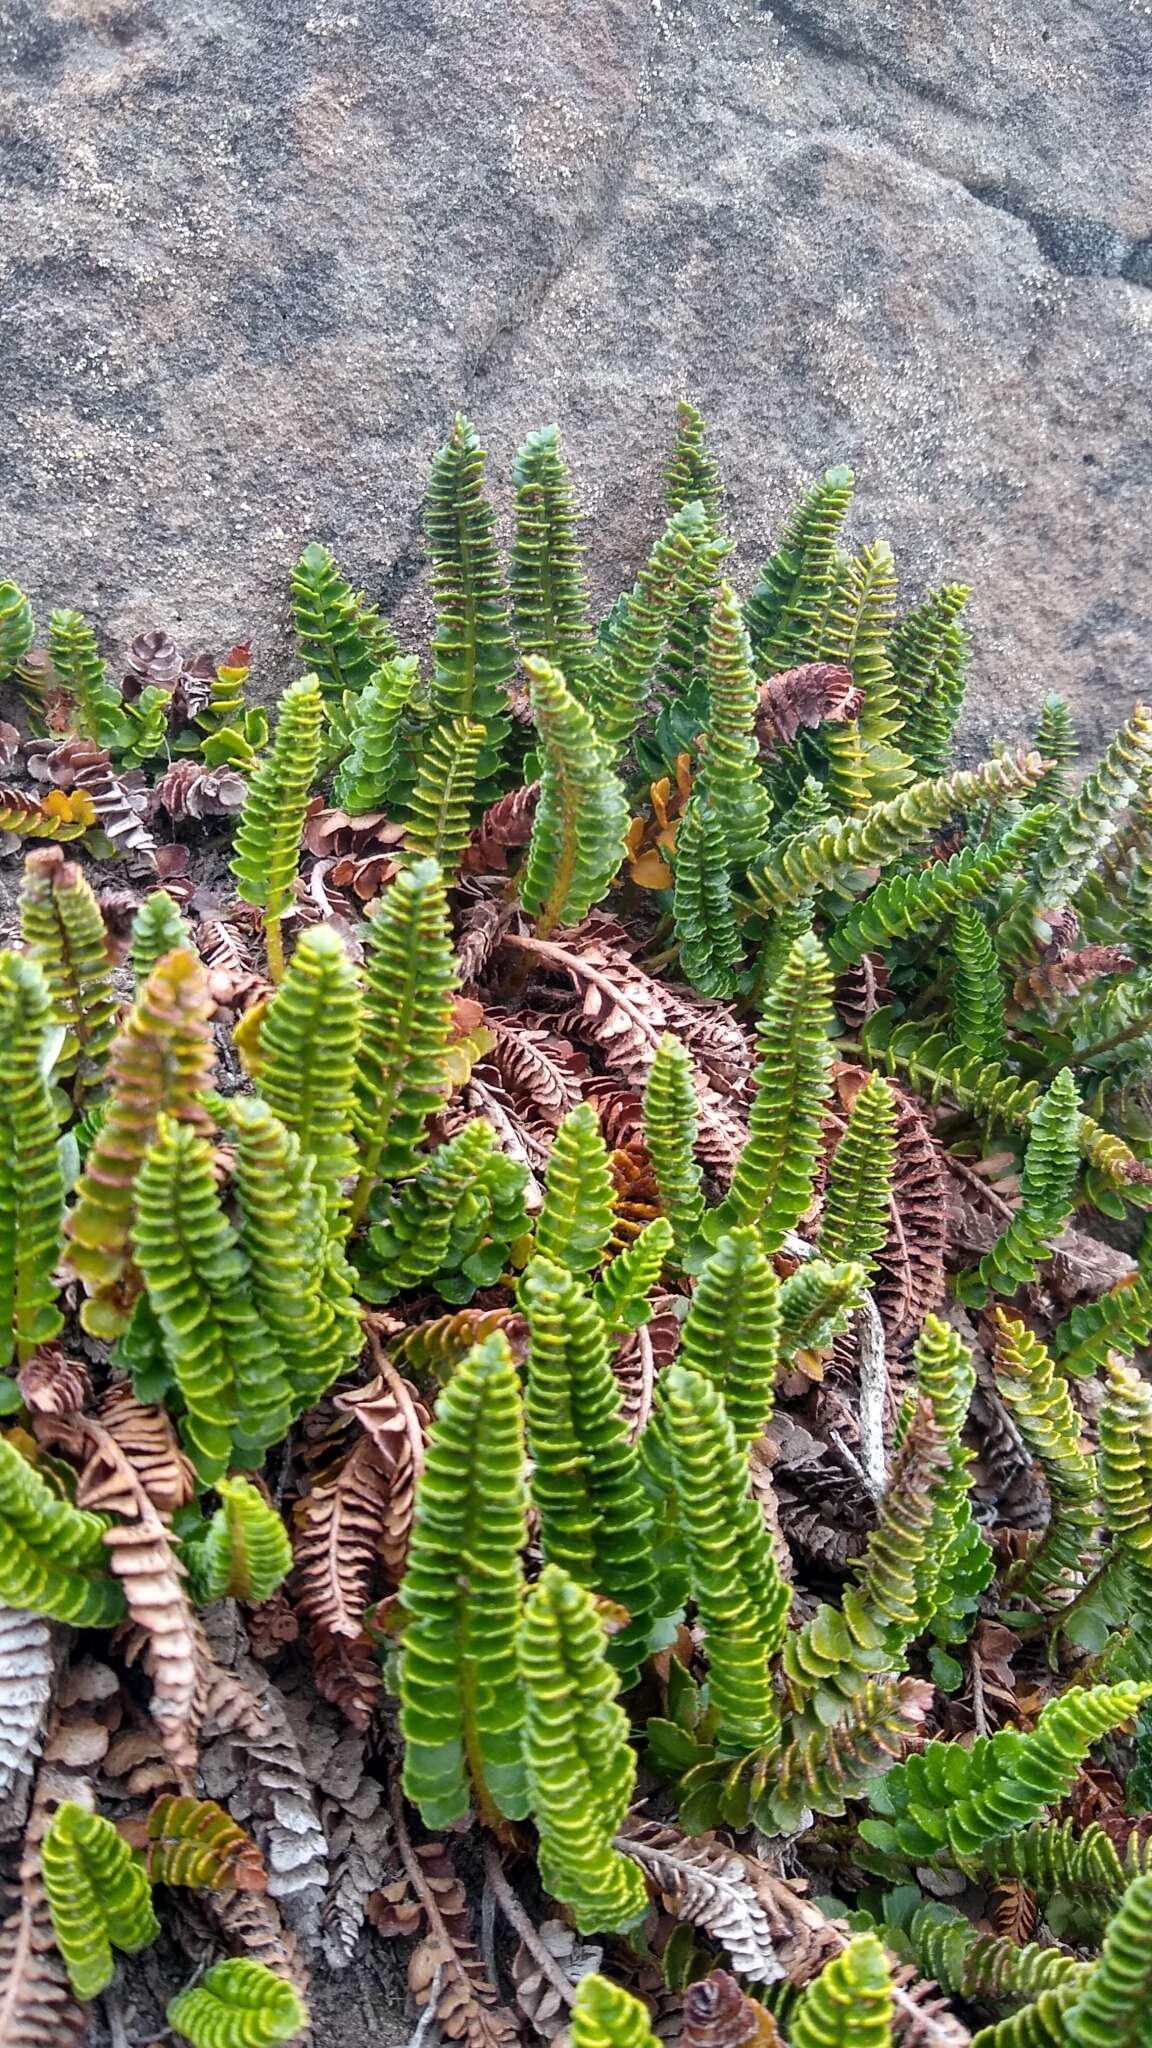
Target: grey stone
x=256 y=252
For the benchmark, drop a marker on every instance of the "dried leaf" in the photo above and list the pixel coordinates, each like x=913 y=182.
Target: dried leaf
x=861 y=990
x=260 y=1775
x=710 y=1886
x=190 y=790
x=119 y=802
x=148 y=1440
x=446 y=1960
x=1061 y=972
x=506 y=824
x=52 y=1384
x=804 y=697
x=27 y=1662
x=718 y=2014
x=537 y=1995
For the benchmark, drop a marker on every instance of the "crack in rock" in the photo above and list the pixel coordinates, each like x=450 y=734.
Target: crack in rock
x=1076 y=244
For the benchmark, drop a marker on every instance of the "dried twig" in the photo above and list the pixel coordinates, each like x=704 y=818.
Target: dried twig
x=518 y=1919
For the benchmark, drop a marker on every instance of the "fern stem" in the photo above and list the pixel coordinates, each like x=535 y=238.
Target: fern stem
x=274 y=947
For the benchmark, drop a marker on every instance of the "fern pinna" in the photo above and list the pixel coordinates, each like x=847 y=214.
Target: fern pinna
x=98 y=1896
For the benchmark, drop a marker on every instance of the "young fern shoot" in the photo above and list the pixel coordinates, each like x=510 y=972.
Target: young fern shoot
x=268 y=835
x=581 y=819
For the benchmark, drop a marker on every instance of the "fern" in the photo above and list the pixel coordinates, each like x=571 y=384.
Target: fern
x=692 y=477
x=772 y=1185
x=622 y=1291
x=929 y=656
x=194 y=1842
x=913 y=900
x=729 y=774
x=849 y=2005
x=817 y=1302
x=1039 y=2025
x=98 y=1896
x=960 y=1959
x=1114 y=2008
x=594 y=1519
x=157 y=928
x=820 y=1768
x=76 y=660
x=31 y=1183
x=161 y=1061
x=333 y=633
x=1054 y=1858
x=857 y=629
x=606 y=2016
x=51 y=1554
x=731 y=1333
x=702 y=908
x=402 y=1073
x=581 y=819
x=218 y=1347
x=959 y=1563
x=1120 y=1320
x=1125 y=1458
x=64 y=932
x=679 y=571
x=1047 y=1193
x=268 y=834
x=786 y=610
x=244 y=1552
x=978 y=988
x=309 y=1041
x=577 y=1218
x=440 y=810
x=670 y=1127
x=741 y=1599
x=472 y=648
x=949 y=1799
x=1037 y=1396
x=1056 y=739
x=830 y=854
x=859 y=1186
x=366 y=776
x=439 y=1218
x=1080 y=833
x=240 y=2003
x=579 y=1767
x=17 y=627
x=549 y=591
x=461 y=1707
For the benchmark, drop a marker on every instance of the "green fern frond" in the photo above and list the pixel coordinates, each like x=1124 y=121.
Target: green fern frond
x=52 y=1555
x=31 y=1183
x=475 y=659
x=294 y=1271
x=1047 y=1195
x=1080 y=833
x=309 y=1041
x=1125 y=1457
x=579 y=1766
x=859 y=1186
x=951 y=1950
x=606 y=2016
x=857 y=629
x=76 y=659
x=817 y=1303
x=157 y=928
x=440 y=810
x=1113 y=2009
x=366 y=776
x=741 y=1599
x=1056 y=738
x=409 y=982
x=581 y=818
x=671 y=1121
x=959 y=1563
x=244 y=1553
x=461 y=1707
x=239 y=2003
x=945 y=1798
x=680 y=570
x=219 y=1349
x=333 y=634
x=731 y=1333
x=772 y=1185
x=692 y=477
x=729 y=773
x=977 y=988
x=846 y=767
x=912 y=901
x=831 y=854
x=1120 y=1320
x=161 y=1061
x=1054 y=1858
x=549 y=591
x=412 y=1238
x=17 y=627
x=622 y=1291
x=594 y=1518
x=821 y=1768
x=849 y=2005
x=98 y=1896
x=929 y=655
x=702 y=909
x=786 y=611
x=577 y=1217
x=1039 y=2025
x=64 y=932
x=1038 y=1400
x=268 y=834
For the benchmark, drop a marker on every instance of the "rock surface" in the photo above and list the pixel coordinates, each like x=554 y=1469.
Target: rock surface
x=257 y=251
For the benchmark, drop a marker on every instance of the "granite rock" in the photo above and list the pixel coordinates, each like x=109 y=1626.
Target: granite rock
x=258 y=251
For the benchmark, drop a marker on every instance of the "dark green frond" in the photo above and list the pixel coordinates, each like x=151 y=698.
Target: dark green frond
x=63 y=929
x=581 y=818
x=691 y=476
x=731 y=1333
x=670 y=1125
x=76 y=660
x=859 y=1186
x=409 y=981
x=577 y=1217
x=367 y=773
x=977 y=988
x=1056 y=739
x=913 y=900
x=549 y=591
x=1047 y=1194
x=849 y=2005
x=333 y=634
x=440 y=810
x=786 y=612
x=31 y=1184
x=157 y=929
x=929 y=655
x=729 y=773
x=472 y=646
x=702 y=909
x=680 y=569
